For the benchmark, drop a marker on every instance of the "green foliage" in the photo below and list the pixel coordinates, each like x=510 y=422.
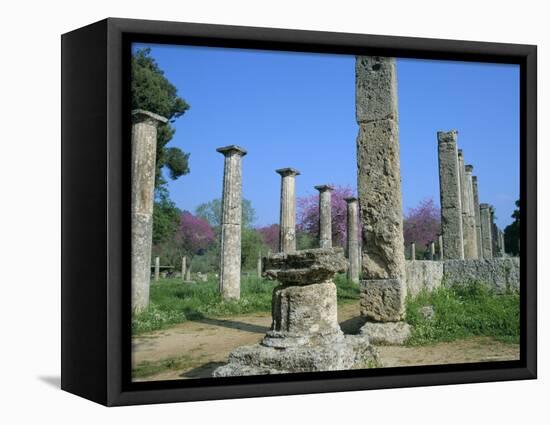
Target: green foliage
x=512 y=233
x=212 y=212
x=152 y=92
x=252 y=244
x=306 y=241
x=346 y=290
x=166 y=218
x=464 y=311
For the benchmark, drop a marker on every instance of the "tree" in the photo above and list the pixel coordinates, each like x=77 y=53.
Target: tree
x=166 y=218
x=194 y=234
x=308 y=218
x=212 y=212
x=152 y=92
x=512 y=233
x=270 y=235
x=422 y=224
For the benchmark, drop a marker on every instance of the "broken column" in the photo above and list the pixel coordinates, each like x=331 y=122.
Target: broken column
x=468 y=223
x=144 y=151
x=502 y=247
x=325 y=216
x=287 y=220
x=479 y=242
x=413 y=251
x=440 y=245
x=487 y=240
x=183 y=267
x=450 y=197
x=305 y=335
x=471 y=251
x=432 y=251
x=230 y=255
x=494 y=233
x=352 y=239
x=157 y=269
x=383 y=289
x=259 y=264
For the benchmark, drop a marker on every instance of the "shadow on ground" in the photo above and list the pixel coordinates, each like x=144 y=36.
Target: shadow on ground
x=353 y=325
x=203 y=371
x=242 y=326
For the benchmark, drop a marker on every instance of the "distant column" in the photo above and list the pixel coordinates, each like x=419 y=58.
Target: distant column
x=352 y=239
x=494 y=233
x=325 y=216
x=230 y=255
x=485 y=216
x=432 y=251
x=144 y=150
x=449 y=191
x=502 y=247
x=440 y=243
x=413 y=251
x=183 y=267
x=470 y=212
x=259 y=265
x=479 y=243
x=287 y=221
x=157 y=269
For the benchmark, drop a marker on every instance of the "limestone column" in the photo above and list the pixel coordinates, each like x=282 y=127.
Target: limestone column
x=440 y=243
x=144 y=151
x=157 y=269
x=471 y=217
x=468 y=222
x=183 y=267
x=413 y=251
x=494 y=232
x=325 y=216
x=479 y=242
x=383 y=291
x=352 y=239
x=230 y=255
x=287 y=220
x=487 y=240
x=432 y=251
x=259 y=265
x=502 y=246
x=449 y=191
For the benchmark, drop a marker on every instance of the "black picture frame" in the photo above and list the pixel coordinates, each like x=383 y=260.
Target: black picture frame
x=96 y=215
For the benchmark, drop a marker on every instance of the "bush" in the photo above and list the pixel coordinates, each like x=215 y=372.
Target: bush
x=464 y=311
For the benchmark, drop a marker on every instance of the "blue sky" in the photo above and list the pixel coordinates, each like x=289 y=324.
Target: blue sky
x=297 y=110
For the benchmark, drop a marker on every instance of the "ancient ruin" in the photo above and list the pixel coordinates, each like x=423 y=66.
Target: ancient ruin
x=325 y=216
x=477 y=217
x=352 y=239
x=230 y=257
x=287 y=220
x=144 y=149
x=486 y=230
x=305 y=335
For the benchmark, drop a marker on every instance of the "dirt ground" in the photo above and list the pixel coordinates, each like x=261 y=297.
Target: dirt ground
x=198 y=347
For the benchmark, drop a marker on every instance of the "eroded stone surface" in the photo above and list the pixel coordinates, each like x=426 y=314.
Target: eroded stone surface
x=423 y=276
x=389 y=333
x=352 y=239
x=499 y=274
x=383 y=300
x=486 y=231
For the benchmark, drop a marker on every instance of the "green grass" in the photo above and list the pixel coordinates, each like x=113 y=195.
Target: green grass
x=462 y=312
x=172 y=301
x=148 y=368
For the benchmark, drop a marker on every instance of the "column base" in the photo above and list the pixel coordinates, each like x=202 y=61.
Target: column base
x=388 y=333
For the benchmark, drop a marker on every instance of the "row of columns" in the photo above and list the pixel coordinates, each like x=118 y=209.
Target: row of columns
x=467 y=227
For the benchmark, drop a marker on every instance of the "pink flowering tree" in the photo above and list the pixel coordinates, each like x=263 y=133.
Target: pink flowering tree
x=270 y=235
x=422 y=224
x=308 y=215
x=194 y=234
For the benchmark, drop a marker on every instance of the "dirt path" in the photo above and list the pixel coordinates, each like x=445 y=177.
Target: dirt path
x=194 y=349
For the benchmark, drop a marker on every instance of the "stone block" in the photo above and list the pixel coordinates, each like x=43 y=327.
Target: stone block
x=383 y=300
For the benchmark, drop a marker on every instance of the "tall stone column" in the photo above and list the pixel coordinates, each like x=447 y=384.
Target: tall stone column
x=432 y=251
x=183 y=267
x=230 y=261
x=287 y=220
x=502 y=246
x=144 y=152
x=157 y=269
x=413 y=251
x=352 y=239
x=479 y=242
x=450 y=196
x=468 y=223
x=440 y=243
x=383 y=291
x=471 y=251
x=494 y=233
x=325 y=216
x=486 y=230
x=259 y=265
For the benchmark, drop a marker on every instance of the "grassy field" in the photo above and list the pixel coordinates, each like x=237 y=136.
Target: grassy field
x=462 y=312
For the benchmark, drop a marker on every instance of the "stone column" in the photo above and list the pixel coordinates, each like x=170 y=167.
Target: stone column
x=502 y=246
x=157 y=269
x=230 y=255
x=470 y=248
x=183 y=267
x=325 y=216
x=287 y=220
x=449 y=191
x=432 y=251
x=440 y=243
x=494 y=233
x=486 y=231
x=413 y=251
x=383 y=291
x=259 y=265
x=479 y=242
x=144 y=151
x=352 y=239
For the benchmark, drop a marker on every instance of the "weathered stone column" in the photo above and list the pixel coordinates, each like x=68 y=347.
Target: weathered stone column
x=157 y=269
x=494 y=233
x=413 y=251
x=440 y=243
x=183 y=267
x=259 y=264
x=502 y=246
x=144 y=152
x=352 y=239
x=432 y=251
x=449 y=191
x=383 y=291
x=486 y=231
x=479 y=243
x=325 y=216
x=287 y=220
x=230 y=255
x=470 y=245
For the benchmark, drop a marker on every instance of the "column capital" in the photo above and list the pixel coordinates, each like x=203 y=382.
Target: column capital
x=447 y=136
x=484 y=206
x=228 y=150
x=141 y=115
x=350 y=199
x=324 y=188
x=284 y=172
x=460 y=152
x=469 y=168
